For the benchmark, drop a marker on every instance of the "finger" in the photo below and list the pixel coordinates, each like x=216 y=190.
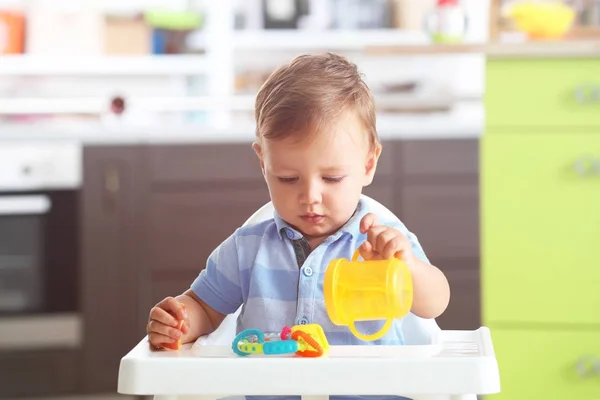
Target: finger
x=368 y=221
x=157 y=340
x=366 y=251
x=185 y=328
x=162 y=316
x=373 y=233
x=395 y=247
x=175 y=307
x=383 y=238
x=162 y=329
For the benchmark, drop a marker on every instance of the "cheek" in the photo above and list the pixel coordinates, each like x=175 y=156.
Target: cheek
x=279 y=190
x=344 y=194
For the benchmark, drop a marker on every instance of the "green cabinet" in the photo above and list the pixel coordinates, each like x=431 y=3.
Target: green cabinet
x=549 y=365
x=540 y=226
x=543 y=93
x=541 y=230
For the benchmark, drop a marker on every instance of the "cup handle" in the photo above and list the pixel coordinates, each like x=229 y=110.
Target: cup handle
x=374 y=336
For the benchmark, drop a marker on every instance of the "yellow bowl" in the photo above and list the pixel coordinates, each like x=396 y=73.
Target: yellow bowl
x=542 y=20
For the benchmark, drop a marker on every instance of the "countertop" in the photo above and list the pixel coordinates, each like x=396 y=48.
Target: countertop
x=537 y=49
x=464 y=121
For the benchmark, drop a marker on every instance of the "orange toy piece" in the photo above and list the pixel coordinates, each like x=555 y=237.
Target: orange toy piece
x=312 y=340
x=175 y=345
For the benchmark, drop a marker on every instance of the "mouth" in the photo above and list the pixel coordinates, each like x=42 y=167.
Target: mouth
x=312 y=218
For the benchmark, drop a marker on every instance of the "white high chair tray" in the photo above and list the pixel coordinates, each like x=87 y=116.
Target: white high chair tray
x=464 y=364
x=202 y=350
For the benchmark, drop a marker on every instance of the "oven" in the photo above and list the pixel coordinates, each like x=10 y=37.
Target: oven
x=39 y=245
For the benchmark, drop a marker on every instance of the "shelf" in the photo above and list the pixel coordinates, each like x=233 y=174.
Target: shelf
x=98 y=105
x=146 y=65
x=561 y=48
x=334 y=40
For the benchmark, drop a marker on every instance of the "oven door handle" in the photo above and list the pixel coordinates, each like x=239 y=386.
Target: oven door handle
x=24 y=205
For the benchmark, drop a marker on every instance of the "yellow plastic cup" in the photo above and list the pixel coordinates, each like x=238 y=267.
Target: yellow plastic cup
x=367 y=291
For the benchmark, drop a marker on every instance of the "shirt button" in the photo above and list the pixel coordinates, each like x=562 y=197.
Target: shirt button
x=289 y=233
x=307 y=271
x=303 y=321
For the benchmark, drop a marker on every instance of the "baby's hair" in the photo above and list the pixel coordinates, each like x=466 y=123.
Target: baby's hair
x=310 y=94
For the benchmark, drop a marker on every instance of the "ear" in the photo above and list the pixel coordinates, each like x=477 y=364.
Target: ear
x=371 y=163
x=258 y=150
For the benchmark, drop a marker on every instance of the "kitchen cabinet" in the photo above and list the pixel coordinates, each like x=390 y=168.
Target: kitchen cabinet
x=438 y=200
x=562 y=93
x=542 y=228
x=193 y=203
x=540 y=224
x=39 y=373
x=552 y=365
x=109 y=286
x=152 y=214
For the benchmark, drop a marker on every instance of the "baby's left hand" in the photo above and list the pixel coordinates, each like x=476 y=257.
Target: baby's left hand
x=384 y=242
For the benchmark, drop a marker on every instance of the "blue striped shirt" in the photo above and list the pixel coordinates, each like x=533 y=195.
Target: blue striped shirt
x=269 y=270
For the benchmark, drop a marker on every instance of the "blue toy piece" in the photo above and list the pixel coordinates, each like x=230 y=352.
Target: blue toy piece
x=243 y=346
x=280 y=347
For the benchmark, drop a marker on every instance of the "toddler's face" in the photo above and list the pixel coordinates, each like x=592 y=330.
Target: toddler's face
x=315 y=184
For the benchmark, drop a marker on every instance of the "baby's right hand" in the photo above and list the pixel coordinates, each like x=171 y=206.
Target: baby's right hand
x=163 y=324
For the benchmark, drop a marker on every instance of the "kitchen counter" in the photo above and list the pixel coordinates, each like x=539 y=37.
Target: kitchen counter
x=540 y=49
x=466 y=120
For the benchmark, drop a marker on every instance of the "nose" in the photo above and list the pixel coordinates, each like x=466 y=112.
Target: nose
x=311 y=193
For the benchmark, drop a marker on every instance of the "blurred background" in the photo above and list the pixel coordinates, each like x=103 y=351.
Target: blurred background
x=125 y=159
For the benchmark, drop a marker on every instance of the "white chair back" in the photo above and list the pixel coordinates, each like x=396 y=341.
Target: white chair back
x=416 y=330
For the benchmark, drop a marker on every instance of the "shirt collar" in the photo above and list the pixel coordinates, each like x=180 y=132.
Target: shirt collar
x=351 y=227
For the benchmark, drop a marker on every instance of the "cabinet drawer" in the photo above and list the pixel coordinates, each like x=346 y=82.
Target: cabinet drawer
x=445 y=218
x=39 y=373
x=543 y=93
x=420 y=158
x=549 y=365
x=540 y=228
x=185 y=227
x=203 y=163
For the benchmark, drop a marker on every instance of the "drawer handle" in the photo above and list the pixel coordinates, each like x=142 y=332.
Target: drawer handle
x=584 y=94
x=596 y=94
x=586 y=166
x=588 y=366
x=587 y=94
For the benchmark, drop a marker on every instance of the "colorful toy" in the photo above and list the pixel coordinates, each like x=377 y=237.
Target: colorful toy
x=302 y=340
x=366 y=291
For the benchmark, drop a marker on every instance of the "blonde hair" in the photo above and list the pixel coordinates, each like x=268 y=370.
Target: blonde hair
x=310 y=94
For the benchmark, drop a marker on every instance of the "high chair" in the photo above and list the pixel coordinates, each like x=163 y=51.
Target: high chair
x=433 y=364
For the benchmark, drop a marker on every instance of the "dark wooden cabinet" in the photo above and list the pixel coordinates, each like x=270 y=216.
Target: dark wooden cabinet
x=438 y=196
x=109 y=285
x=195 y=197
x=39 y=373
x=151 y=215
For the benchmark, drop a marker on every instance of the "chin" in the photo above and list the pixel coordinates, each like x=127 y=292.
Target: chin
x=317 y=230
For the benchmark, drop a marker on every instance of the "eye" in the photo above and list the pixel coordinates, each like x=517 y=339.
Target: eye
x=333 y=179
x=287 y=180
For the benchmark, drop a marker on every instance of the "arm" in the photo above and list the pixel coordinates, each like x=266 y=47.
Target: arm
x=215 y=293
x=431 y=291
x=201 y=318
